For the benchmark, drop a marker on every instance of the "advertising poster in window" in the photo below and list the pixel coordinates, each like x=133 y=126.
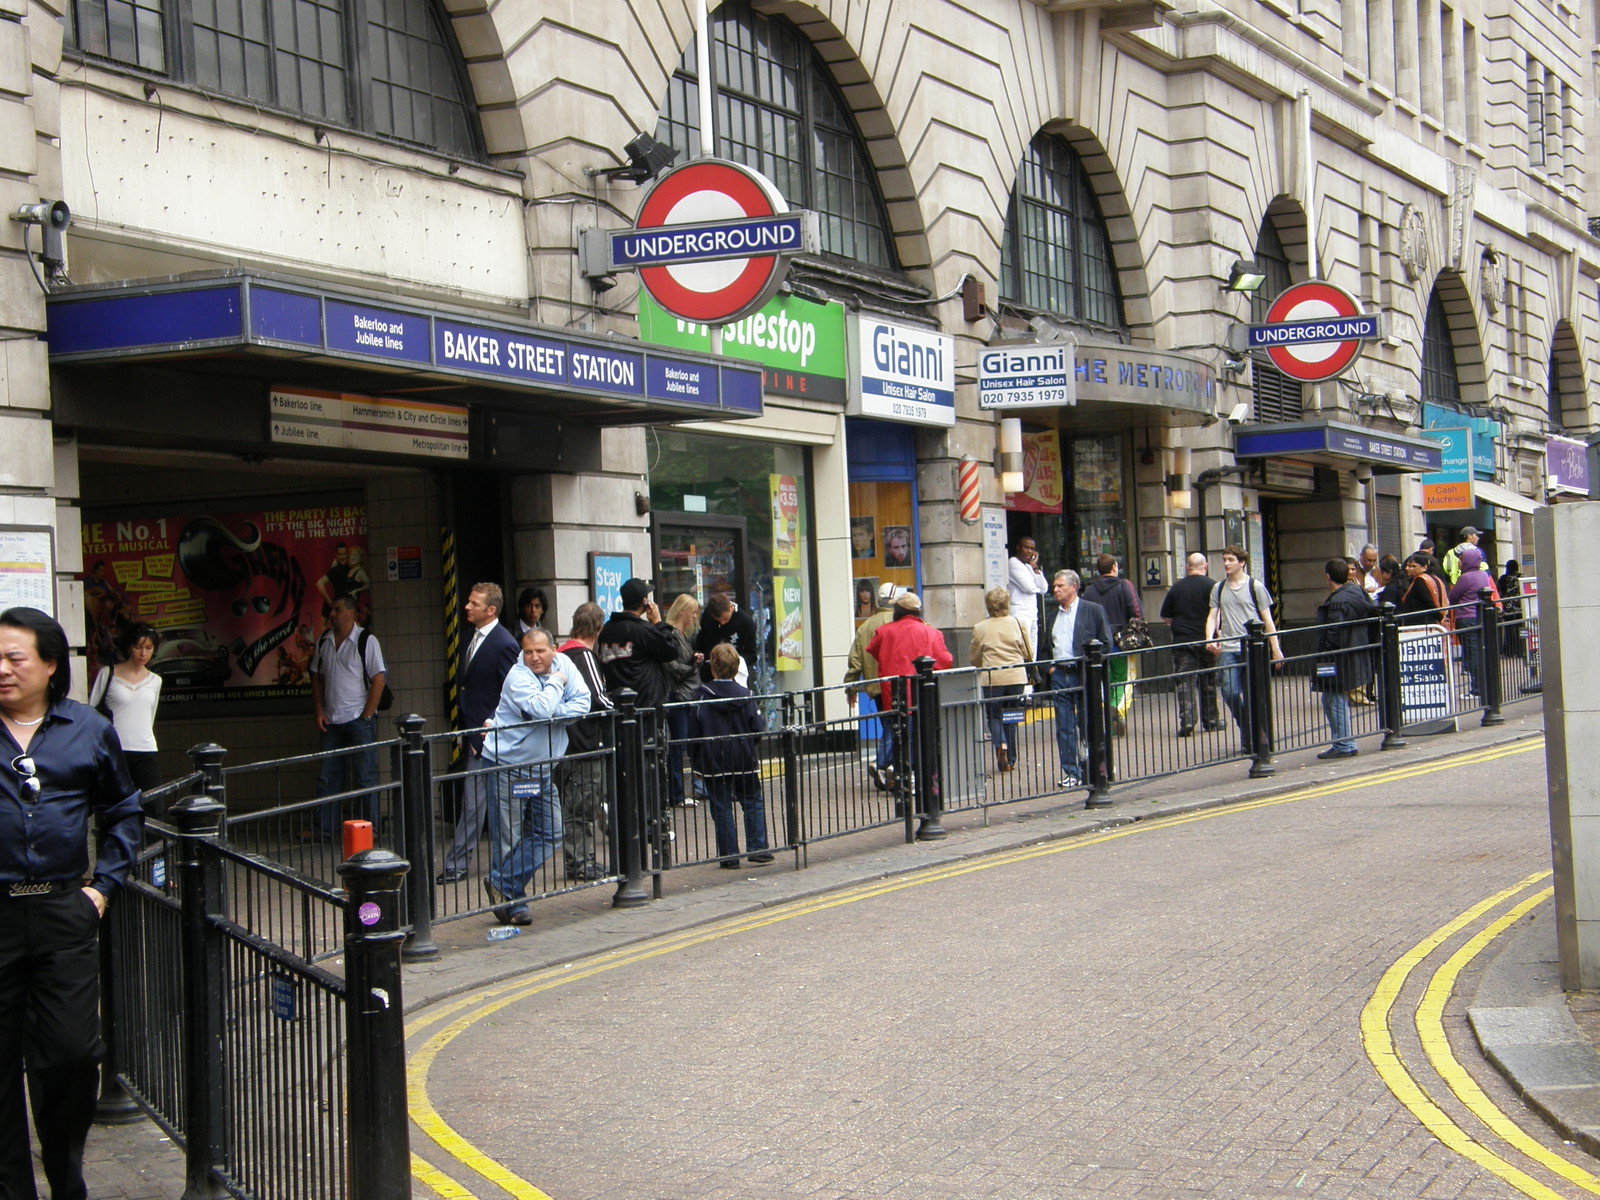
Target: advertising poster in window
x=1042 y=477
x=785 y=522
x=790 y=617
x=883 y=544
x=238 y=599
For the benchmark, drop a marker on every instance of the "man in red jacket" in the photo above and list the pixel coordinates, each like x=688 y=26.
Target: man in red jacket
x=896 y=647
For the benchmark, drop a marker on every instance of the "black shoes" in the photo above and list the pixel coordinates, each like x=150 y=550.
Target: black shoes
x=447 y=876
x=1332 y=753
x=761 y=860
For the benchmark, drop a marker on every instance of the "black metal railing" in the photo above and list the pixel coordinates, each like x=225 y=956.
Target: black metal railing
x=224 y=1027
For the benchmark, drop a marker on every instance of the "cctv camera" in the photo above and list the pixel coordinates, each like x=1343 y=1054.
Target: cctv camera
x=1239 y=412
x=52 y=217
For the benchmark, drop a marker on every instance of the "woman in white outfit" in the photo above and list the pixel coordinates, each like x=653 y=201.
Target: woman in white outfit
x=131 y=692
x=1026 y=583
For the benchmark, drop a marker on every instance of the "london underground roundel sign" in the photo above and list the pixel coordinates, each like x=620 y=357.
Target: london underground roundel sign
x=1313 y=331
x=718 y=237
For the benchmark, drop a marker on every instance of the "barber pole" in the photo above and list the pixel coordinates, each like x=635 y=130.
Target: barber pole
x=967 y=489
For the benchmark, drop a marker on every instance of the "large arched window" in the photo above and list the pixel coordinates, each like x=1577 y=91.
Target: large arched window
x=779 y=112
x=388 y=67
x=1274 y=396
x=1055 y=255
x=1439 y=382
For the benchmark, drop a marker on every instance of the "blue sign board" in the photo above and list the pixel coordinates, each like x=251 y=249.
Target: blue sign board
x=247 y=312
x=674 y=245
x=607 y=574
x=1363 y=327
x=283 y=989
x=1331 y=437
x=1484 y=435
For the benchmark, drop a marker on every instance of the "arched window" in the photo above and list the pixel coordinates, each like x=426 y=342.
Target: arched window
x=1055 y=254
x=1274 y=396
x=1439 y=382
x=779 y=112
x=388 y=67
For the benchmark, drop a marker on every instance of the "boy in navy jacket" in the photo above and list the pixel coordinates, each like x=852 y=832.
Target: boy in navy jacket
x=726 y=726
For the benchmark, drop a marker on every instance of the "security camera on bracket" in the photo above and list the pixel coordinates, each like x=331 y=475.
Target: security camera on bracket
x=1239 y=413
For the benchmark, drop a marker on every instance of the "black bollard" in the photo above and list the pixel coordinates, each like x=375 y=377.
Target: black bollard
x=1489 y=661
x=628 y=820
x=930 y=779
x=416 y=837
x=378 y=1128
x=1258 y=676
x=1097 y=712
x=1389 y=664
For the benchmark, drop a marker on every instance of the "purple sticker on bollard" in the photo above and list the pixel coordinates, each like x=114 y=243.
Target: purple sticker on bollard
x=369 y=913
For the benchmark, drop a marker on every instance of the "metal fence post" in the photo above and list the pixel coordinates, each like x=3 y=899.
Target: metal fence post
x=375 y=1058
x=794 y=829
x=628 y=820
x=901 y=714
x=1258 y=677
x=115 y=1106
x=1489 y=666
x=198 y=818
x=416 y=805
x=1389 y=663
x=930 y=784
x=1097 y=705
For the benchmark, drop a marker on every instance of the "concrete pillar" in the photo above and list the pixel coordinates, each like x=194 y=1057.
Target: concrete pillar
x=1567 y=542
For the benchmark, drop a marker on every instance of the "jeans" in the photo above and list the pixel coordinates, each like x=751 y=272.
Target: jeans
x=1469 y=632
x=469 y=821
x=885 y=752
x=744 y=790
x=524 y=826
x=1336 y=707
x=1067 y=686
x=1230 y=675
x=363 y=769
x=994 y=704
x=1196 y=677
x=678 y=727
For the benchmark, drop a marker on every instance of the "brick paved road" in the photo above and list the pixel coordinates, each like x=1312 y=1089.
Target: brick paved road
x=1168 y=1014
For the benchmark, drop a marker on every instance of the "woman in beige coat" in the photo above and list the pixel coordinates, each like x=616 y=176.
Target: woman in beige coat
x=1000 y=648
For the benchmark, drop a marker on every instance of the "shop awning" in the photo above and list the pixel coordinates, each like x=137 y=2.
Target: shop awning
x=1335 y=444
x=277 y=330
x=1492 y=493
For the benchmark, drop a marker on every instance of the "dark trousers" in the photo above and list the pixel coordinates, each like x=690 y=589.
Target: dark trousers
x=745 y=791
x=50 y=1029
x=1197 y=680
x=363 y=769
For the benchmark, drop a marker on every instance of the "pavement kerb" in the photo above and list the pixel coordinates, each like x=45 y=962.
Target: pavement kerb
x=458 y=971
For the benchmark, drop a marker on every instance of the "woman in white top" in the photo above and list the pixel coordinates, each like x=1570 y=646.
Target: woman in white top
x=1026 y=583
x=130 y=692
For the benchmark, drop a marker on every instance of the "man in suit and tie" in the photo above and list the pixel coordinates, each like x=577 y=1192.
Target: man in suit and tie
x=1077 y=623
x=489 y=654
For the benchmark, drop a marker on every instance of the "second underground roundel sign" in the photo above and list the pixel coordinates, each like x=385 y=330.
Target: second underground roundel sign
x=706 y=194
x=1311 y=362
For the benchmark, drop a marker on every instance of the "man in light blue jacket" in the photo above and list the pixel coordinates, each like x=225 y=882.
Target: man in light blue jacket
x=527 y=736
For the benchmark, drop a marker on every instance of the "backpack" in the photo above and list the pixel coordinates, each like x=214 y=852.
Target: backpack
x=385 y=697
x=1255 y=599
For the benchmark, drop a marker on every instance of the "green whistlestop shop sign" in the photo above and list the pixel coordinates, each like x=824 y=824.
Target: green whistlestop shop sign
x=799 y=343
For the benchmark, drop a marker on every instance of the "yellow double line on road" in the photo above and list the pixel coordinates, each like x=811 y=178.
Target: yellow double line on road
x=459 y=1015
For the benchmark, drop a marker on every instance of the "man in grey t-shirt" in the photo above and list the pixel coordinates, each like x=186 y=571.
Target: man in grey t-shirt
x=1235 y=602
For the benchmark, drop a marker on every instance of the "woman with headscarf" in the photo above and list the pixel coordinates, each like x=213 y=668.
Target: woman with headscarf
x=1424 y=593
x=1469 y=618
x=1511 y=641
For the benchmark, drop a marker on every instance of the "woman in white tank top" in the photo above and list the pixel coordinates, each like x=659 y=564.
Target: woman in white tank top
x=130 y=692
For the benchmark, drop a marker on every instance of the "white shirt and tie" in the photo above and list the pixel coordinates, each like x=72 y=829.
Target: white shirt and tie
x=477 y=640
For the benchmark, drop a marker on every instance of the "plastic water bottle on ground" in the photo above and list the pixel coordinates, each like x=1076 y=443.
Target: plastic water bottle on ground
x=501 y=932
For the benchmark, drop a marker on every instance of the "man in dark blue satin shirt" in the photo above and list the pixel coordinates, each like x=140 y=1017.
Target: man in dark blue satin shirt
x=62 y=764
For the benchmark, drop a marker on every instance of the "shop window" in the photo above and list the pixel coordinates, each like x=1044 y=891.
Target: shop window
x=1274 y=396
x=1055 y=255
x=734 y=515
x=779 y=112
x=300 y=56
x=1439 y=382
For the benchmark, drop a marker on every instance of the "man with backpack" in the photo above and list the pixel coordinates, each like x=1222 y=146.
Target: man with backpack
x=348 y=681
x=1235 y=602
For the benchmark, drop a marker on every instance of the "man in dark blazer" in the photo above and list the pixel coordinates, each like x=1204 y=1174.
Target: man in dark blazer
x=1075 y=623
x=488 y=655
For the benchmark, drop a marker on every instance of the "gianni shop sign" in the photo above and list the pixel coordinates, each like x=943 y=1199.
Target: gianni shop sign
x=903 y=372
